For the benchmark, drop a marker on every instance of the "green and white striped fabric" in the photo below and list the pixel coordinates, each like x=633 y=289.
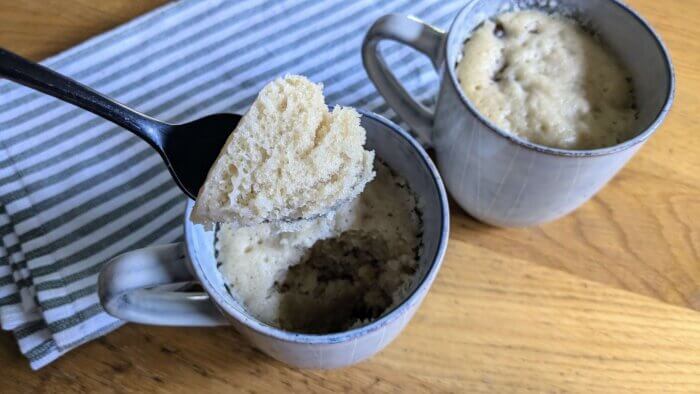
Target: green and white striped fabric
x=76 y=190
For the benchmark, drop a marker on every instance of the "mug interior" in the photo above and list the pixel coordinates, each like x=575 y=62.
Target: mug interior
x=629 y=36
x=407 y=158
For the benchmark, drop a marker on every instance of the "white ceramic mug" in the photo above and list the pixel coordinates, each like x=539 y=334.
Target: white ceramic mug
x=497 y=177
x=137 y=286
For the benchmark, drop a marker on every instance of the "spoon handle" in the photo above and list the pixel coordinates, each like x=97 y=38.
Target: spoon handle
x=38 y=77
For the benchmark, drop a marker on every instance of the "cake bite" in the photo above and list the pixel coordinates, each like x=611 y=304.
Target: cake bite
x=289 y=159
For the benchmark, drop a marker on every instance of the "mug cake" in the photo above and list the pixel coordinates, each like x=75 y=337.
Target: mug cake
x=333 y=273
x=308 y=239
x=544 y=78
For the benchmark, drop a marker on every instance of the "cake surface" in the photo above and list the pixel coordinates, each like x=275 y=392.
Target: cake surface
x=544 y=78
x=335 y=271
x=289 y=158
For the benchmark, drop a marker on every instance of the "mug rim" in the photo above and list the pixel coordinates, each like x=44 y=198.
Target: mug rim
x=641 y=137
x=343 y=336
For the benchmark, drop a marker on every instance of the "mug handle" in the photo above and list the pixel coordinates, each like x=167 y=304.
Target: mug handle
x=418 y=35
x=136 y=287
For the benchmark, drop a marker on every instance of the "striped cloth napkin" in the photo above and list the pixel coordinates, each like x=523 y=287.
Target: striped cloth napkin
x=76 y=190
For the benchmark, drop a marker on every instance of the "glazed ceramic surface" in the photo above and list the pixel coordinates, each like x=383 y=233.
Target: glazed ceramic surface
x=495 y=176
x=138 y=286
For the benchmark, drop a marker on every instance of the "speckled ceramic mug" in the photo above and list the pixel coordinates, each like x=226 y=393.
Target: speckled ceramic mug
x=137 y=286
x=496 y=176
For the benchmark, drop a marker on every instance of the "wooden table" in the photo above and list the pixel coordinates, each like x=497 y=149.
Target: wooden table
x=602 y=300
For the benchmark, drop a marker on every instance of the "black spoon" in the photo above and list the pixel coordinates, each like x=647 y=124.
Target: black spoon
x=188 y=149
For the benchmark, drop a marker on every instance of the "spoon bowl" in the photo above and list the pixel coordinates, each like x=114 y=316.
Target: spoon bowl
x=190 y=149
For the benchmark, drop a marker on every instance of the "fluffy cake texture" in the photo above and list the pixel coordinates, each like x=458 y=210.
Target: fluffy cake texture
x=289 y=158
x=334 y=272
x=544 y=78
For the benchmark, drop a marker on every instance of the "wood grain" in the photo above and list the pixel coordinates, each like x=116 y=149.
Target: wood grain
x=490 y=325
x=547 y=309
x=41 y=28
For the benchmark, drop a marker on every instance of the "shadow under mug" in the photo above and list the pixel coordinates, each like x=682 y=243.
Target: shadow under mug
x=139 y=286
x=496 y=176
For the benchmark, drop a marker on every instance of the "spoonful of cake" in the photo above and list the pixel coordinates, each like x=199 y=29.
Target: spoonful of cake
x=288 y=158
